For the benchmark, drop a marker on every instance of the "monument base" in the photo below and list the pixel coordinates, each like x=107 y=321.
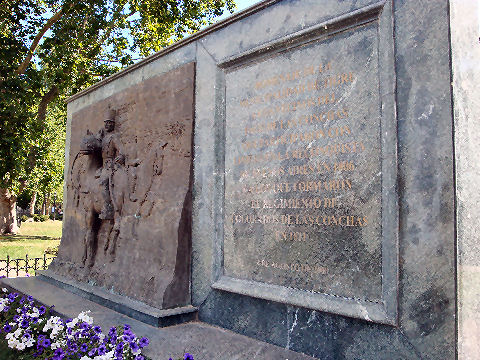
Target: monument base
x=132 y=308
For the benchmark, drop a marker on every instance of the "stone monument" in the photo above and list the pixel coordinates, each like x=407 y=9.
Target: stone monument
x=128 y=193
x=294 y=173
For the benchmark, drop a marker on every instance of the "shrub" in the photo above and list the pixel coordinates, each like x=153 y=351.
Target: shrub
x=56 y=217
x=52 y=250
x=24 y=218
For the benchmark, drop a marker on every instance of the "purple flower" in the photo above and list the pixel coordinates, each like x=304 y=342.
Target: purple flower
x=84 y=326
x=6 y=308
x=140 y=357
x=97 y=329
x=25 y=323
x=92 y=352
x=58 y=354
x=84 y=348
x=46 y=343
x=143 y=342
x=7 y=328
x=102 y=350
x=134 y=346
x=188 y=356
x=42 y=310
x=126 y=327
x=72 y=346
x=12 y=296
x=128 y=337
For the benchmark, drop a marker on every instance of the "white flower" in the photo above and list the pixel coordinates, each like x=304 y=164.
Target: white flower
x=20 y=346
x=4 y=290
x=30 y=342
x=83 y=316
x=72 y=323
x=35 y=312
x=12 y=343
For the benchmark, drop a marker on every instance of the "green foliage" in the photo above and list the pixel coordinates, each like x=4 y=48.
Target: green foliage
x=24 y=218
x=55 y=217
x=40 y=218
x=51 y=49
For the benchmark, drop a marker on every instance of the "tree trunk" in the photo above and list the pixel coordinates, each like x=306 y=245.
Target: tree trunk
x=31 y=205
x=44 y=204
x=8 y=212
x=49 y=208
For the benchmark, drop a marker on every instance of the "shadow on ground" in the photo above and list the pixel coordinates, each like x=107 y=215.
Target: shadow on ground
x=6 y=238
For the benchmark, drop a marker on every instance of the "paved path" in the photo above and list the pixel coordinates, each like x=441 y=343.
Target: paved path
x=13 y=273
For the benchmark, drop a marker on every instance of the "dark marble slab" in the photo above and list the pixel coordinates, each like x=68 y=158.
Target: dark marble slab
x=310 y=202
x=417 y=252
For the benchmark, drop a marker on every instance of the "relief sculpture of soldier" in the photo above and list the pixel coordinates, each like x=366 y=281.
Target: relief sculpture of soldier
x=103 y=149
x=110 y=150
x=111 y=189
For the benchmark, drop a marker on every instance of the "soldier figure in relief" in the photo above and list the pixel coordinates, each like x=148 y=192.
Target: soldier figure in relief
x=96 y=197
x=110 y=150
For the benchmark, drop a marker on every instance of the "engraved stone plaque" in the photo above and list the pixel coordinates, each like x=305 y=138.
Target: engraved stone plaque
x=306 y=170
x=303 y=186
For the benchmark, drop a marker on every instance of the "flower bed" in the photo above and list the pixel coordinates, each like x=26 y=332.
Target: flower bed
x=29 y=332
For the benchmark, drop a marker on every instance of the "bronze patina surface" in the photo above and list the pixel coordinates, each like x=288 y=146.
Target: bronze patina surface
x=127 y=222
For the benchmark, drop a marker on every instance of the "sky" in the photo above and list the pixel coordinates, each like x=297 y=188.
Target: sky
x=241 y=4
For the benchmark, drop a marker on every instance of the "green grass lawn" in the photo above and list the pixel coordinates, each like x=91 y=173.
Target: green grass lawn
x=33 y=239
